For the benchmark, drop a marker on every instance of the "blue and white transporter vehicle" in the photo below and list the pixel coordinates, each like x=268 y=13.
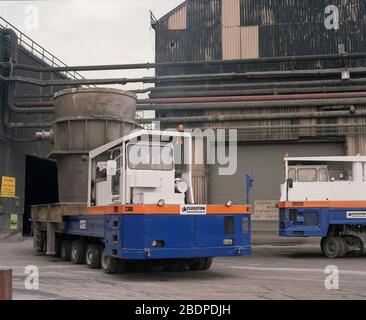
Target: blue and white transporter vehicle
x=325 y=197
x=141 y=210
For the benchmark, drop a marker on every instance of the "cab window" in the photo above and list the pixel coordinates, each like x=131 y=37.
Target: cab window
x=307 y=175
x=116 y=154
x=147 y=157
x=323 y=175
x=292 y=174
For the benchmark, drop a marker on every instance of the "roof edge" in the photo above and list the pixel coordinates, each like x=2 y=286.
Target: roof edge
x=171 y=12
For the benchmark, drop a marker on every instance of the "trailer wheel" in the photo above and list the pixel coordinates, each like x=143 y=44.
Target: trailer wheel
x=201 y=264
x=77 y=252
x=92 y=256
x=122 y=266
x=109 y=264
x=197 y=264
x=342 y=247
x=65 y=253
x=356 y=241
x=334 y=247
x=208 y=263
x=44 y=242
x=174 y=265
x=322 y=245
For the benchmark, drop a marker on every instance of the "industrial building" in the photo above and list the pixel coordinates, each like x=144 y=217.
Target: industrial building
x=276 y=71
x=288 y=75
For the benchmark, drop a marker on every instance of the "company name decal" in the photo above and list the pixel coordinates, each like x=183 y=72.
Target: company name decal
x=193 y=209
x=356 y=214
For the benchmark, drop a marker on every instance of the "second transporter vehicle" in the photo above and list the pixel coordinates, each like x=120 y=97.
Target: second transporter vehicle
x=325 y=197
x=141 y=209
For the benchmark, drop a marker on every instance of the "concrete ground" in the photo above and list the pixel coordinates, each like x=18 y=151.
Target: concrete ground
x=280 y=272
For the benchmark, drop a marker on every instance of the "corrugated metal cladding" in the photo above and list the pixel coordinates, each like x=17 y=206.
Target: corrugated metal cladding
x=241 y=29
x=200 y=40
x=178 y=20
x=16 y=144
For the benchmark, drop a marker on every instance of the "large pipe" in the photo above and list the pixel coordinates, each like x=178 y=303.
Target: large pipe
x=11 y=90
x=266 y=116
x=189 y=78
x=273 y=91
x=258 y=85
x=257 y=98
x=295 y=126
x=253 y=104
x=148 y=65
x=225 y=100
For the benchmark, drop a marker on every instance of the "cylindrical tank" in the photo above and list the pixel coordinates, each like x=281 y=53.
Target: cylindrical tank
x=84 y=120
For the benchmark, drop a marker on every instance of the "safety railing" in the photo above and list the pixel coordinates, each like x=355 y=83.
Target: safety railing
x=39 y=51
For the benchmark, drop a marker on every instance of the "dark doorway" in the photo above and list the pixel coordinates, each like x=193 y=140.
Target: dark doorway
x=40 y=187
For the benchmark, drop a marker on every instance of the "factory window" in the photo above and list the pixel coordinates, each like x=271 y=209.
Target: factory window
x=307 y=175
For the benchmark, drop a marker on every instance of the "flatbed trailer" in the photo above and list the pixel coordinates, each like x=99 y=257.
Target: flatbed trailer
x=148 y=233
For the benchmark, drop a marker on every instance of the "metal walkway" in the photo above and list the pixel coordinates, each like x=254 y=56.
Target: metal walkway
x=38 y=51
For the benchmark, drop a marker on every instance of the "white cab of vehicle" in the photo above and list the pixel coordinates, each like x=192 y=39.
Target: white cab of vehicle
x=325 y=179
x=145 y=167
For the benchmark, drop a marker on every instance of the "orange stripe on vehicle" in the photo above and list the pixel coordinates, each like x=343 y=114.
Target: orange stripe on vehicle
x=322 y=204
x=167 y=209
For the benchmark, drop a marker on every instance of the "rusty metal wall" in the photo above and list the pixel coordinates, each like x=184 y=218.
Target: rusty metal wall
x=178 y=20
x=201 y=40
x=230 y=29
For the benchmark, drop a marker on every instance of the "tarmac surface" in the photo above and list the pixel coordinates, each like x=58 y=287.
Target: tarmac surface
x=280 y=272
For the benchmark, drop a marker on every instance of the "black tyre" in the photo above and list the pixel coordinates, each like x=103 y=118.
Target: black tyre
x=201 y=264
x=357 y=242
x=58 y=247
x=65 y=251
x=92 y=256
x=122 y=266
x=322 y=245
x=77 y=252
x=342 y=247
x=332 y=247
x=44 y=243
x=207 y=265
x=174 y=265
x=109 y=264
x=197 y=264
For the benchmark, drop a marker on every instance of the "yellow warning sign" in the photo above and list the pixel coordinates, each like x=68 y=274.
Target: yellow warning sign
x=7 y=187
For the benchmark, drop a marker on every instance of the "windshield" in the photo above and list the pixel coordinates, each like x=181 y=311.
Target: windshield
x=150 y=157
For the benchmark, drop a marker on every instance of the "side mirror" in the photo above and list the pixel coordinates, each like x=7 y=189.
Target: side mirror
x=290 y=183
x=111 y=168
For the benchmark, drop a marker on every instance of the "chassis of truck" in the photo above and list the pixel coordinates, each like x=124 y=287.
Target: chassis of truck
x=141 y=211
x=325 y=197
